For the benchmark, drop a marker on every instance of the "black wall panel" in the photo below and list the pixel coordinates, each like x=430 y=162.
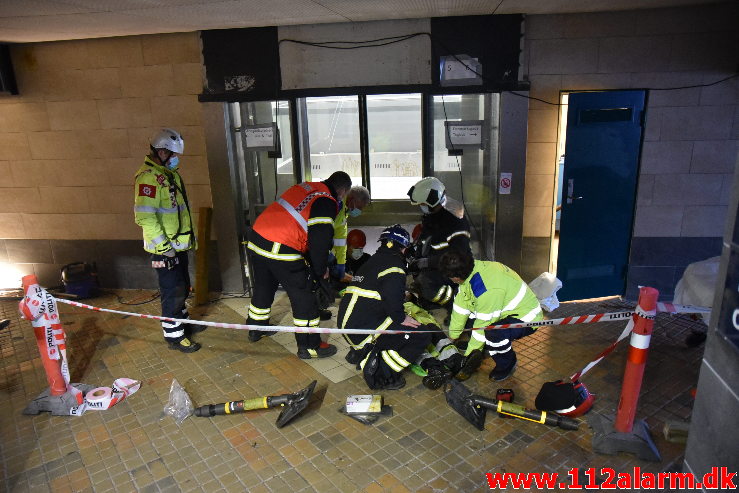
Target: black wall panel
x=242 y=63
x=493 y=39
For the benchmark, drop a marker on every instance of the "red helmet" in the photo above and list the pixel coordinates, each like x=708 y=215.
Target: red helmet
x=416 y=232
x=356 y=238
x=566 y=398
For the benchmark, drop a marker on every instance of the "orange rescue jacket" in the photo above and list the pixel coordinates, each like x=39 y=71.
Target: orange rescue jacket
x=286 y=220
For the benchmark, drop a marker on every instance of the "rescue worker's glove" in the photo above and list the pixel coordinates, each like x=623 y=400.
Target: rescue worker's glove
x=167 y=259
x=324 y=293
x=417 y=265
x=438 y=374
x=170 y=258
x=337 y=271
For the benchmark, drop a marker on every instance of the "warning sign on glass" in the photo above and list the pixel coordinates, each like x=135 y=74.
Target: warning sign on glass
x=260 y=137
x=504 y=187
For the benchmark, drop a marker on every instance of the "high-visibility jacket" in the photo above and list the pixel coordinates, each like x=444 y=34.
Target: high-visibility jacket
x=286 y=220
x=161 y=209
x=341 y=231
x=492 y=292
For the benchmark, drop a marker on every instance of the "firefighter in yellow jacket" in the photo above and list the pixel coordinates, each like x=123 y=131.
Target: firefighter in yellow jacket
x=490 y=293
x=162 y=210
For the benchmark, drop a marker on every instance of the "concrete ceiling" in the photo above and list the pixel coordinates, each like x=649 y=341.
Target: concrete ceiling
x=52 y=20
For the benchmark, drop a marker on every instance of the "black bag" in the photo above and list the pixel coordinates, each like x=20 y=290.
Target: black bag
x=324 y=293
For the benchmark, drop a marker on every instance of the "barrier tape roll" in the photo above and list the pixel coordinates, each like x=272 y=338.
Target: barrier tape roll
x=102 y=398
x=583 y=319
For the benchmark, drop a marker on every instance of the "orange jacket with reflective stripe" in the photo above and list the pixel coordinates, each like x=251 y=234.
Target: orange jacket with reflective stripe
x=285 y=221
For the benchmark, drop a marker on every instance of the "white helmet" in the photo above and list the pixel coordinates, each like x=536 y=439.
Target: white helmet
x=168 y=139
x=429 y=191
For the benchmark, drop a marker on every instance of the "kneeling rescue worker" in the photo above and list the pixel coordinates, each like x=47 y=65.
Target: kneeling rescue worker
x=374 y=300
x=490 y=294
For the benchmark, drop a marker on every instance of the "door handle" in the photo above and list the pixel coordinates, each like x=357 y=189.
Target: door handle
x=571 y=191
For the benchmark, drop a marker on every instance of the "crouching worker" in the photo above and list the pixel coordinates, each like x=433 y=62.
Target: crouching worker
x=374 y=300
x=489 y=294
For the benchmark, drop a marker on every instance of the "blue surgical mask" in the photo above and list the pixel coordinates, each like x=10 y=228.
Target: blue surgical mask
x=425 y=208
x=355 y=212
x=173 y=162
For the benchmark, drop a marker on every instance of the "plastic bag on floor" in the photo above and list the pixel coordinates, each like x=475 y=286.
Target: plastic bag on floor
x=179 y=405
x=545 y=287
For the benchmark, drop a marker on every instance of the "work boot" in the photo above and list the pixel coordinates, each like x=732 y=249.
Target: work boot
x=4 y=323
x=498 y=375
x=437 y=377
x=184 y=345
x=470 y=365
x=395 y=383
x=353 y=356
x=255 y=335
x=325 y=314
x=322 y=351
x=192 y=329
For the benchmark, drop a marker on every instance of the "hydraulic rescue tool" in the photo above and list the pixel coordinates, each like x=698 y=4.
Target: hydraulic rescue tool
x=474 y=408
x=292 y=405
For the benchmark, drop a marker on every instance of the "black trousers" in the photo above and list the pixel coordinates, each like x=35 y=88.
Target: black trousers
x=398 y=351
x=174 y=288
x=294 y=277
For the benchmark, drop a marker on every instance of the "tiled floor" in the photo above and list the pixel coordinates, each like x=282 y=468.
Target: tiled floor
x=424 y=446
x=334 y=368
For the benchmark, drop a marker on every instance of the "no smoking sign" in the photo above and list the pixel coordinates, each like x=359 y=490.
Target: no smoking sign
x=504 y=187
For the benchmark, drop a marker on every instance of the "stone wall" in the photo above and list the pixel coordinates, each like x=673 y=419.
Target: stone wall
x=71 y=142
x=690 y=137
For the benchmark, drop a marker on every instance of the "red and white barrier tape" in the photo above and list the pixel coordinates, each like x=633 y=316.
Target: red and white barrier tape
x=102 y=398
x=583 y=319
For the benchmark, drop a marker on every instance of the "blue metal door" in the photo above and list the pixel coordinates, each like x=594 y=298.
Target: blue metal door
x=604 y=131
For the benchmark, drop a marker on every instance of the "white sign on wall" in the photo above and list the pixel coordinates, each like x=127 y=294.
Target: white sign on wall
x=464 y=133
x=460 y=70
x=260 y=137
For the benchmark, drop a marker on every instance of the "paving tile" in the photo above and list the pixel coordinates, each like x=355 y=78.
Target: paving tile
x=425 y=446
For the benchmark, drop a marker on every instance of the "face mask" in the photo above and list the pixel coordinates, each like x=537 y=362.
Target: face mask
x=357 y=253
x=425 y=208
x=173 y=162
x=355 y=212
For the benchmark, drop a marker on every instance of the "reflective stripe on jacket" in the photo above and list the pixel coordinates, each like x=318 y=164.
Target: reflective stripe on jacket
x=442 y=230
x=491 y=293
x=161 y=209
x=286 y=220
x=341 y=230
